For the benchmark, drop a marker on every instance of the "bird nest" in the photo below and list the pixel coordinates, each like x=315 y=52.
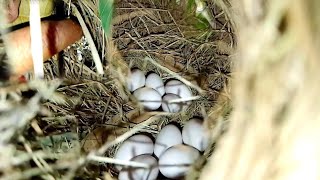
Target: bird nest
x=70 y=128
x=92 y=113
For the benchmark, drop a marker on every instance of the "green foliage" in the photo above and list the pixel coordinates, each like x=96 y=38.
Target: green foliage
x=190 y=6
x=59 y=143
x=202 y=23
x=197 y=20
x=106 y=13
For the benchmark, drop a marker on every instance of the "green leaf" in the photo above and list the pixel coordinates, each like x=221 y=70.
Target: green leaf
x=201 y=26
x=106 y=13
x=190 y=6
x=202 y=23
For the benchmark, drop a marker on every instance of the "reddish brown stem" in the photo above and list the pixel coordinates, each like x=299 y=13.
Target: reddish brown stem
x=56 y=36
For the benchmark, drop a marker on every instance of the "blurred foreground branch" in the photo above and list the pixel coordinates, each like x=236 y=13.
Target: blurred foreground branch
x=275 y=125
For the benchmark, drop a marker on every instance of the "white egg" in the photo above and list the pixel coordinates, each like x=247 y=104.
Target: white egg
x=132 y=173
x=154 y=81
x=178 y=88
x=194 y=134
x=168 y=136
x=176 y=161
x=148 y=97
x=136 y=80
x=135 y=145
x=171 y=107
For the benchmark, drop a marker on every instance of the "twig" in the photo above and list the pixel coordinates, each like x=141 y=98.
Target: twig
x=36 y=39
x=117 y=161
x=184 y=99
x=126 y=135
x=94 y=51
x=175 y=75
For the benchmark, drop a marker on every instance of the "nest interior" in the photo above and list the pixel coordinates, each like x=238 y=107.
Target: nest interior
x=96 y=109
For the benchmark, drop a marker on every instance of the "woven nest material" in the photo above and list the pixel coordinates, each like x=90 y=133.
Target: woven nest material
x=162 y=33
x=174 y=46
x=274 y=123
x=152 y=36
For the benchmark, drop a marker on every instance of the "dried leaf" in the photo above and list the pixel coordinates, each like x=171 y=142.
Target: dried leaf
x=93 y=140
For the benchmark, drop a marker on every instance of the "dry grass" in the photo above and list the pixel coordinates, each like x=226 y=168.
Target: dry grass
x=269 y=114
x=271 y=125
x=274 y=126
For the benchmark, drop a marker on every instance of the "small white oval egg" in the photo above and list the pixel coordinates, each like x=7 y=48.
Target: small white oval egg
x=135 y=80
x=135 y=145
x=154 y=81
x=178 y=88
x=171 y=107
x=168 y=136
x=194 y=134
x=132 y=173
x=176 y=161
x=148 y=97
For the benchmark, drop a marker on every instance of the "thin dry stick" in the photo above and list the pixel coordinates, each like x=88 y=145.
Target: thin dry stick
x=34 y=158
x=175 y=75
x=118 y=162
x=192 y=98
x=126 y=135
x=36 y=41
x=94 y=51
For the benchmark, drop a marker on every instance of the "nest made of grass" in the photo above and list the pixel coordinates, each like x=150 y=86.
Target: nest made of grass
x=162 y=33
x=97 y=109
x=274 y=127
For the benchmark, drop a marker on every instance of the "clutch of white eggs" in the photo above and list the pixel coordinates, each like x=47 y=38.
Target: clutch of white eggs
x=152 y=93
x=172 y=153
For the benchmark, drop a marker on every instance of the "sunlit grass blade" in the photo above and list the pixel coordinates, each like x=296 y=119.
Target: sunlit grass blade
x=106 y=12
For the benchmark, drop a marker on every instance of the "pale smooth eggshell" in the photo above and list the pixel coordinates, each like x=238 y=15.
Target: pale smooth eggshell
x=135 y=145
x=132 y=173
x=194 y=134
x=176 y=161
x=171 y=107
x=168 y=136
x=154 y=81
x=148 y=97
x=135 y=80
x=178 y=88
